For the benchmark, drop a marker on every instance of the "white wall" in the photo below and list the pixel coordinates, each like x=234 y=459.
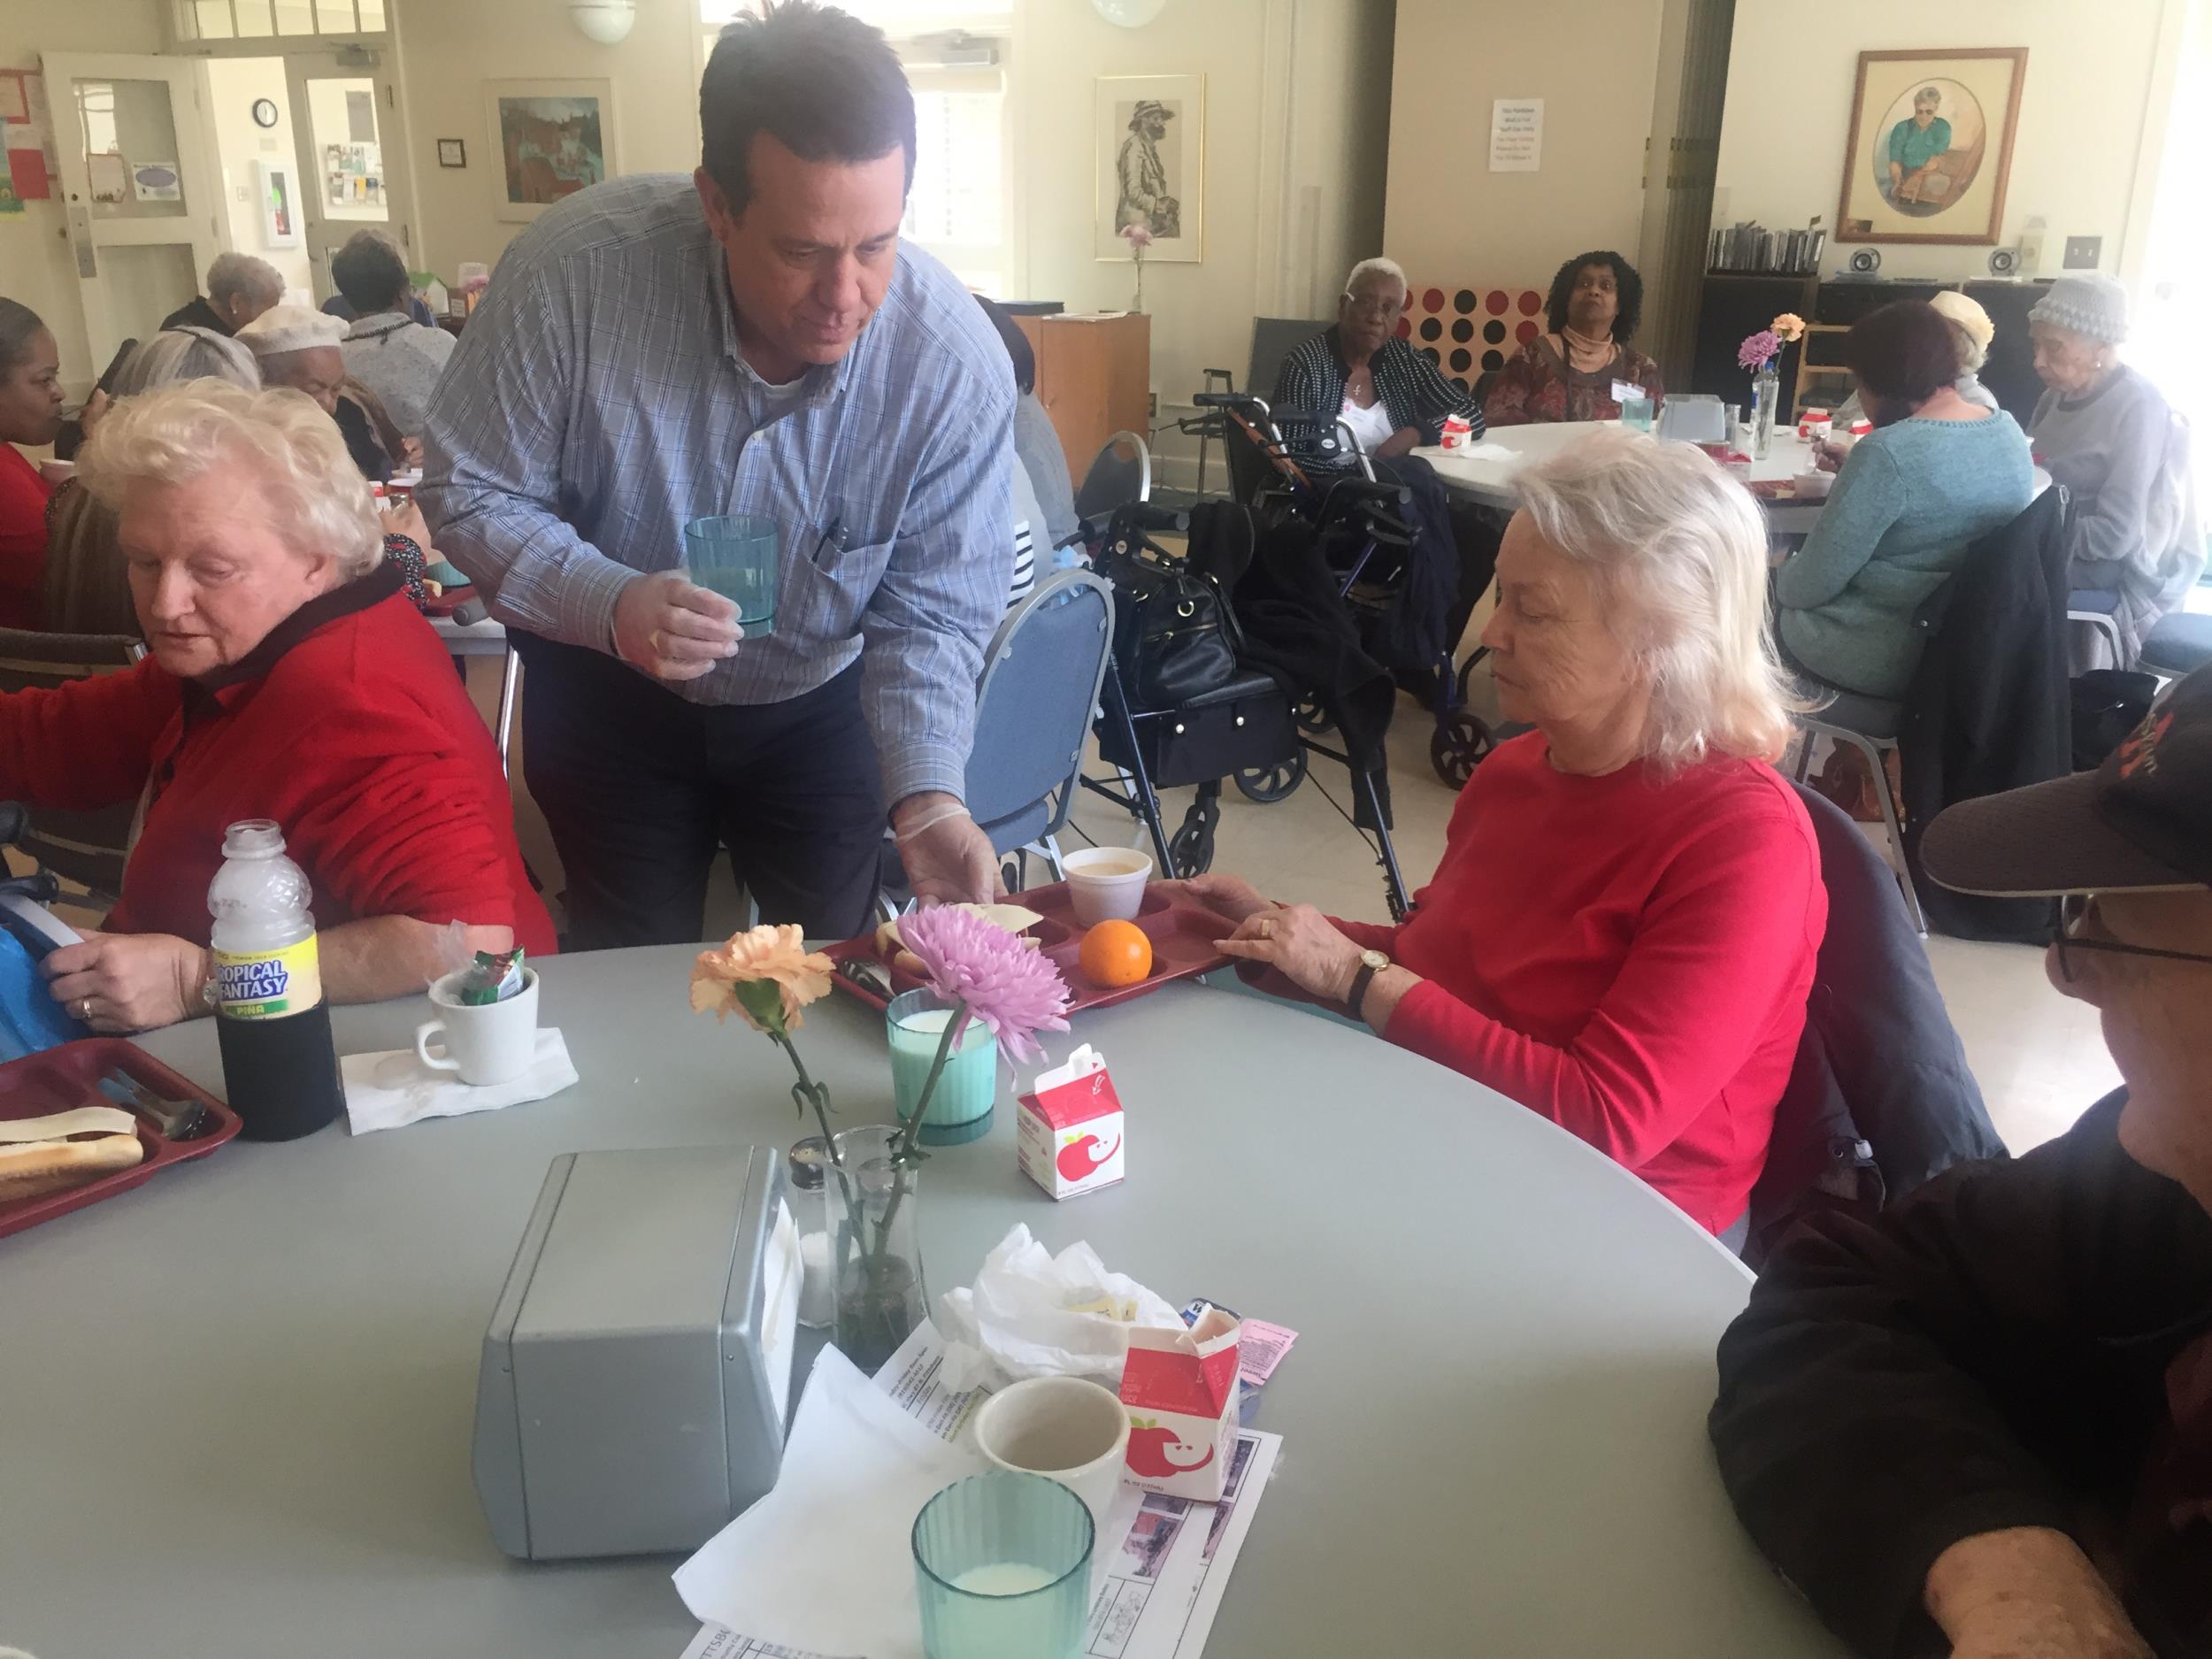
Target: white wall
x=234 y=84
x=35 y=265
x=1593 y=62
x=2092 y=105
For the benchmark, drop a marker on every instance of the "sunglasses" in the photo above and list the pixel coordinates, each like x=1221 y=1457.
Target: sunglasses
x=2074 y=911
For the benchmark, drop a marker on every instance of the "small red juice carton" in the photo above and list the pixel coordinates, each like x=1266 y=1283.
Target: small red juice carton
x=1180 y=1387
x=1457 y=433
x=1069 y=1131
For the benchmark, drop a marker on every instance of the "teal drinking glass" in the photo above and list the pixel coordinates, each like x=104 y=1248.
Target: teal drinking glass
x=736 y=558
x=1636 y=413
x=1002 y=1561
x=960 y=1107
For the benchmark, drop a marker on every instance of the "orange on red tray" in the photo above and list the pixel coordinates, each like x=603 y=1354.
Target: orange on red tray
x=1181 y=931
x=1114 y=954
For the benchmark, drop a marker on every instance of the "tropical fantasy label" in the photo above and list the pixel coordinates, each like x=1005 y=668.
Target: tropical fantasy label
x=268 y=984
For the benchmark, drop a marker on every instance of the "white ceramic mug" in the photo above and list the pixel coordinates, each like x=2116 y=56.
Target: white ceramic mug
x=1068 y=1428
x=486 y=1042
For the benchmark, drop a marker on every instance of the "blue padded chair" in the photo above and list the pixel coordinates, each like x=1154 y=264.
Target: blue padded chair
x=2180 y=645
x=1033 y=703
x=2095 y=607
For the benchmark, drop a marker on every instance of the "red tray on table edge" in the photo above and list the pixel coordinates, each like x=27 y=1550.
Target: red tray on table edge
x=450 y=601
x=62 y=1078
x=1182 y=932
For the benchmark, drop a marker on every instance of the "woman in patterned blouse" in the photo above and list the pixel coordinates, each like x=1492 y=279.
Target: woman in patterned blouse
x=1360 y=372
x=1570 y=371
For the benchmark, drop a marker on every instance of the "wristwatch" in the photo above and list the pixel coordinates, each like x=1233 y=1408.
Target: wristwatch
x=1371 y=964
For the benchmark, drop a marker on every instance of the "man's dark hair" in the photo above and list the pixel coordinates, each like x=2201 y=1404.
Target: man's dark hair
x=1629 y=286
x=370 y=274
x=18 y=327
x=1904 y=353
x=819 y=82
x=1017 y=344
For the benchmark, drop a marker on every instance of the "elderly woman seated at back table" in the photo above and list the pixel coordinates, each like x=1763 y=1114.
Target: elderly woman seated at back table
x=303 y=350
x=1358 y=371
x=290 y=679
x=1935 y=475
x=1622 y=932
x=2105 y=432
x=1972 y=329
x=1575 y=372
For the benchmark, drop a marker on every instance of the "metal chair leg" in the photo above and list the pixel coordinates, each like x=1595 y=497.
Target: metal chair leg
x=1891 y=821
x=506 y=726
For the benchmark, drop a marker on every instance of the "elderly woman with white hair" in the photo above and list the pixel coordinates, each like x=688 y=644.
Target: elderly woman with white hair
x=239 y=287
x=1621 y=935
x=289 y=678
x=1358 y=371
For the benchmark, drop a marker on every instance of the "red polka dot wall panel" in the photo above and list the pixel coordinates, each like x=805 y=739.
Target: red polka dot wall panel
x=1464 y=331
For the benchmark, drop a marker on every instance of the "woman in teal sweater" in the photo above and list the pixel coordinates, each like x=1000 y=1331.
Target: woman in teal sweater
x=1936 y=475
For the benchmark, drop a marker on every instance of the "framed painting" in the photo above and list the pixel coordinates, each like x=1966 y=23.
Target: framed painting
x=551 y=139
x=1150 y=168
x=1929 y=148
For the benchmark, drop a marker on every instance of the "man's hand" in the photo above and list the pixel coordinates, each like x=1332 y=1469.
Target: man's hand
x=409 y=456
x=128 y=981
x=2027 y=1593
x=406 y=519
x=948 y=860
x=673 y=629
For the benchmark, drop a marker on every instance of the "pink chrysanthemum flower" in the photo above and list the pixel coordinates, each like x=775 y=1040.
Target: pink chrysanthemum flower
x=1012 y=989
x=1756 y=351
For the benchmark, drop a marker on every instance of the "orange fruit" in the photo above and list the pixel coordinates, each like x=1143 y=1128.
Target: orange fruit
x=1116 y=953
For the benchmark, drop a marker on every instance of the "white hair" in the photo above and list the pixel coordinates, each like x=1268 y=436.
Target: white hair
x=319 y=502
x=1375 y=267
x=241 y=276
x=1679 y=551
x=187 y=354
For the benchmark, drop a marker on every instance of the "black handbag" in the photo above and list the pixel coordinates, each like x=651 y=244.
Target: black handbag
x=1175 y=637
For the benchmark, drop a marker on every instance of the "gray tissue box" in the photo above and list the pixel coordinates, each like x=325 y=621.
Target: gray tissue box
x=632 y=1392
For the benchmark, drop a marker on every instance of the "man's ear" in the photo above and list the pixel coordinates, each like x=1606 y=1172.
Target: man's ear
x=721 y=223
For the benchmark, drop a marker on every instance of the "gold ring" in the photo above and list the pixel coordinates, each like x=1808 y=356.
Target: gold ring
x=653 y=641
x=84 y=1008
x=1267 y=929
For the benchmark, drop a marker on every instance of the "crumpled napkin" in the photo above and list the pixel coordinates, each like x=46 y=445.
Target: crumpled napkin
x=392 y=1088
x=1032 y=1314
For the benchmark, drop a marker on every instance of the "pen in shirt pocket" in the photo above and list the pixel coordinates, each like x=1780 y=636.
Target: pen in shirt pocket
x=834 y=540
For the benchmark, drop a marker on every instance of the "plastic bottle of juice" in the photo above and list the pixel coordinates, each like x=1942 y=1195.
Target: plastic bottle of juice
x=279 y=1065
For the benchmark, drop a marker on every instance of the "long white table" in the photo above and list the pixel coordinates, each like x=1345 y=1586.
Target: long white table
x=238 y=1399
x=1484 y=472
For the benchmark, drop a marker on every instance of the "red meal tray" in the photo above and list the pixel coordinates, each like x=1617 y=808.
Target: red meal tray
x=64 y=1078
x=450 y=601
x=1182 y=932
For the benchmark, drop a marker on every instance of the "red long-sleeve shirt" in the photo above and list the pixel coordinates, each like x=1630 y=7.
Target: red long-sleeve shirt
x=23 y=497
x=346 y=725
x=1627 y=957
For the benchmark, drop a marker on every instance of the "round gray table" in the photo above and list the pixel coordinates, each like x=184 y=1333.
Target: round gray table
x=238 y=1399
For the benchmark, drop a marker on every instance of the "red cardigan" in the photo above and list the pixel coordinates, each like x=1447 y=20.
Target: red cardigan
x=1627 y=957
x=346 y=725
x=23 y=499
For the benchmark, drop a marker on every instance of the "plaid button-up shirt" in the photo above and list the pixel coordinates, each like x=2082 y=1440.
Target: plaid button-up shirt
x=598 y=403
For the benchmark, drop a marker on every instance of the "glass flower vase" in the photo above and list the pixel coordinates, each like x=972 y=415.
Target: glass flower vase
x=876 y=1245
x=1766 y=395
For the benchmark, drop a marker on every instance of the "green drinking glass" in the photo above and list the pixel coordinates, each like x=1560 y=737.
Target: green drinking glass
x=735 y=556
x=1002 y=1562
x=967 y=1088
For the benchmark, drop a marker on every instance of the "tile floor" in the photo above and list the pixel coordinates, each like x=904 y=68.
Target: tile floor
x=2039 y=1056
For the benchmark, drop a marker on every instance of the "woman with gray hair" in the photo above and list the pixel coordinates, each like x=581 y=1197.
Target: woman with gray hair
x=2107 y=435
x=1360 y=372
x=1621 y=935
x=239 y=287
x=289 y=678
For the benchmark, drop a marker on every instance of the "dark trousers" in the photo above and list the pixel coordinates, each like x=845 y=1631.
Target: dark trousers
x=640 y=788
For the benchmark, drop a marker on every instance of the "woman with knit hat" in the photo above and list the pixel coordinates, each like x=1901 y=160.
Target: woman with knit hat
x=2105 y=433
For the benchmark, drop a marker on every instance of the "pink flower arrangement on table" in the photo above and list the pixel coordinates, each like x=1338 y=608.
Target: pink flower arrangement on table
x=987 y=974
x=1762 y=348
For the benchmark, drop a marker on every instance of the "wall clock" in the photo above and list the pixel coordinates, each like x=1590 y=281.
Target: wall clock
x=264 y=113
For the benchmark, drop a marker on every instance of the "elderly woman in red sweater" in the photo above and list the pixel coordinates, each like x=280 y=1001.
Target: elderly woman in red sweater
x=289 y=679
x=1621 y=935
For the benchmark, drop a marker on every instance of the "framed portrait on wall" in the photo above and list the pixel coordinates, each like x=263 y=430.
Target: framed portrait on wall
x=550 y=139
x=1150 y=168
x=1929 y=151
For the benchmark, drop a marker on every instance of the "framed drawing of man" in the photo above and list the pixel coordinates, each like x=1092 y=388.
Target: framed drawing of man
x=1151 y=166
x=1929 y=152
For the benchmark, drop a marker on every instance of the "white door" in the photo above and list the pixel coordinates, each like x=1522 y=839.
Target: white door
x=141 y=185
x=353 y=153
